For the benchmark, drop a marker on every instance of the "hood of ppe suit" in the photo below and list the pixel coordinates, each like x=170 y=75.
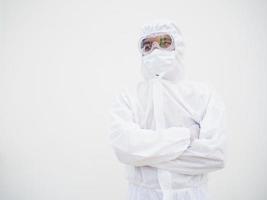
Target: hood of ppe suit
x=160 y=63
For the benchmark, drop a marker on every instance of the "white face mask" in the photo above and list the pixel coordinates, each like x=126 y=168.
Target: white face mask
x=162 y=63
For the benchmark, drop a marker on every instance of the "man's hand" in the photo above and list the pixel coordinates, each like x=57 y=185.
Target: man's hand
x=194 y=132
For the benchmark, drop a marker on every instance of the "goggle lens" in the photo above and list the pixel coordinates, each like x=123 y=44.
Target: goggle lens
x=162 y=41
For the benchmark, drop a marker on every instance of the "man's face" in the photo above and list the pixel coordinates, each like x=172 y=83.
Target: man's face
x=153 y=41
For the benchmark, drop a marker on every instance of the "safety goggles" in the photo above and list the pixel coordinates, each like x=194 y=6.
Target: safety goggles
x=158 y=40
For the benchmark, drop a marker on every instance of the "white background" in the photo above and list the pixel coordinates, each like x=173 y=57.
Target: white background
x=62 y=62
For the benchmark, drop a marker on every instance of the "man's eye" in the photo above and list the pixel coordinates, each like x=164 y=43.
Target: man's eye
x=145 y=42
x=167 y=40
x=147 y=47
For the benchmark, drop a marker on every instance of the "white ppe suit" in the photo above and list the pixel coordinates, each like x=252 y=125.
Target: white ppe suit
x=168 y=131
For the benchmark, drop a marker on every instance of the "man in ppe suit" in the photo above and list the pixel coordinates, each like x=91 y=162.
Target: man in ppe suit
x=168 y=131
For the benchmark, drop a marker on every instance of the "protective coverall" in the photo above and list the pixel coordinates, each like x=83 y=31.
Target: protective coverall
x=168 y=131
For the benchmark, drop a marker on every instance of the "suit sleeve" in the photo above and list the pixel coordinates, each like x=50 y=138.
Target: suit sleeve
x=139 y=147
x=207 y=152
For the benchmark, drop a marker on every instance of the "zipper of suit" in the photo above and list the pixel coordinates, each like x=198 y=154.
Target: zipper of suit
x=164 y=177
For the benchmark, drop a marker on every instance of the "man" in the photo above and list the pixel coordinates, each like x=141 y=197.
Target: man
x=168 y=131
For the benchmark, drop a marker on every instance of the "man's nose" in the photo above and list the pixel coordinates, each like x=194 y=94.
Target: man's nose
x=155 y=45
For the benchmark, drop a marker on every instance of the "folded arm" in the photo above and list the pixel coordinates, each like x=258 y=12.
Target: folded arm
x=206 y=153
x=136 y=146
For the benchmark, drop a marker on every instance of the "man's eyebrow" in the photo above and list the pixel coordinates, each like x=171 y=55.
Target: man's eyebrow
x=145 y=41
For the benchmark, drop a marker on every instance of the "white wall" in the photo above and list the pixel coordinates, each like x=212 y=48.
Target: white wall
x=64 y=60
